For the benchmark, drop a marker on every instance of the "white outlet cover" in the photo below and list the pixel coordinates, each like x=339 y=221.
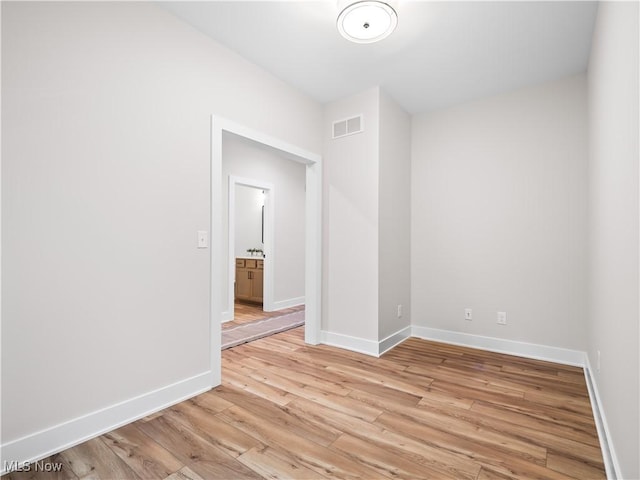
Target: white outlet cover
x=502 y=318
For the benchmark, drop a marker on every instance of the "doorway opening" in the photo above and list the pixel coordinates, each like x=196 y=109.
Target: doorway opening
x=250 y=244
x=265 y=293
x=312 y=232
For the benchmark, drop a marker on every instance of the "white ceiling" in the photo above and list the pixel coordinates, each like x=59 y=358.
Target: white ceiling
x=442 y=53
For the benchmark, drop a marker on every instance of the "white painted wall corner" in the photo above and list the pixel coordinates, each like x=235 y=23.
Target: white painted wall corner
x=361 y=345
x=355 y=344
x=394 y=340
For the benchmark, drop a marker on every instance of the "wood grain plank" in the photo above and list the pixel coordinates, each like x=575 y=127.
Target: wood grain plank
x=418 y=451
x=385 y=462
x=227 y=438
x=95 y=458
x=414 y=385
x=297 y=425
x=271 y=462
x=142 y=454
x=311 y=455
x=582 y=468
x=202 y=457
x=314 y=381
x=577 y=433
x=261 y=389
x=210 y=402
x=377 y=395
x=489 y=474
x=209 y=469
x=184 y=473
x=497 y=458
x=351 y=405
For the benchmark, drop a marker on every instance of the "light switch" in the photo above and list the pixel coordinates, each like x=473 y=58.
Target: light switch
x=203 y=239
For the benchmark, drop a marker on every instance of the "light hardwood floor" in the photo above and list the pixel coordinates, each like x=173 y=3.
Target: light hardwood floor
x=423 y=410
x=248 y=313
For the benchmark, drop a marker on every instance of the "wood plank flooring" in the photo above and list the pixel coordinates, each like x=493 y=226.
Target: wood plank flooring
x=424 y=410
x=247 y=313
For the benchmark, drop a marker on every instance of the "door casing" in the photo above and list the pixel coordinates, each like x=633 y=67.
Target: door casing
x=313 y=231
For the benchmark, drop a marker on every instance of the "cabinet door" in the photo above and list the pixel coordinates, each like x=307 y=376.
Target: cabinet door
x=257 y=286
x=243 y=283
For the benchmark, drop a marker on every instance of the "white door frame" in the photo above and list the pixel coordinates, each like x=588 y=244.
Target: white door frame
x=269 y=235
x=313 y=232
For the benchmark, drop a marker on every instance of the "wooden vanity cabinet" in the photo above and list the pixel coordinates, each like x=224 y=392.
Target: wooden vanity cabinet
x=249 y=279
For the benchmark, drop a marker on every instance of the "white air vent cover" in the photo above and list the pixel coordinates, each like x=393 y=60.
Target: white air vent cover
x=349 y=126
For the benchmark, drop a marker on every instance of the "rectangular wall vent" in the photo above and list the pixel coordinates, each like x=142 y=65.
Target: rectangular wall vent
x=348 y=126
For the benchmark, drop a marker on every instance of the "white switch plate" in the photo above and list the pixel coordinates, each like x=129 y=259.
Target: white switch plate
x=467 y=314
x=502 y=318
x=399 y=311
x=203 y=239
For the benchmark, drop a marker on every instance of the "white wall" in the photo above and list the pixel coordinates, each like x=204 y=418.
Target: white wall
x=498 y=215
x=613 y=225
x=106 y=151
x=394 y=204
x=350 y=220
x=248 y=219
x=248 y=160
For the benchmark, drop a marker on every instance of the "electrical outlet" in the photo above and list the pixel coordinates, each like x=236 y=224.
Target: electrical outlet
x=598 y=361
x=502 y=318
x=399 y=311
x=467 y=314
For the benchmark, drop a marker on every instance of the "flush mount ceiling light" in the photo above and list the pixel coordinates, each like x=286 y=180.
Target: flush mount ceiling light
x=367 y=21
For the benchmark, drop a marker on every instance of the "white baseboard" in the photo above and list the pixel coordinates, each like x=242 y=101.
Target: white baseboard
x=226 y=316
x=362 y=345
x=39 y=445
x=501 y=345
x=289 y=303
x=609 y=456
x=393 y=340
x=355 y=344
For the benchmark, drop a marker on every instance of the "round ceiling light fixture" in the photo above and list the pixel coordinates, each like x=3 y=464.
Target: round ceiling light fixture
x=367 y=21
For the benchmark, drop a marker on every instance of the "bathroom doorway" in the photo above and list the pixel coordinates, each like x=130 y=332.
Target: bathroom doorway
x=266 y=245
x=250 y=244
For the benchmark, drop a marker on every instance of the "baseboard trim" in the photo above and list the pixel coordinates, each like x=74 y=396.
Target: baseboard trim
x=393 y=340
x=361 y=345
x=355 y=344
x=500 y=345
x=289 y=303
x=609 y=456
x=226 y=316
x=39 y=445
